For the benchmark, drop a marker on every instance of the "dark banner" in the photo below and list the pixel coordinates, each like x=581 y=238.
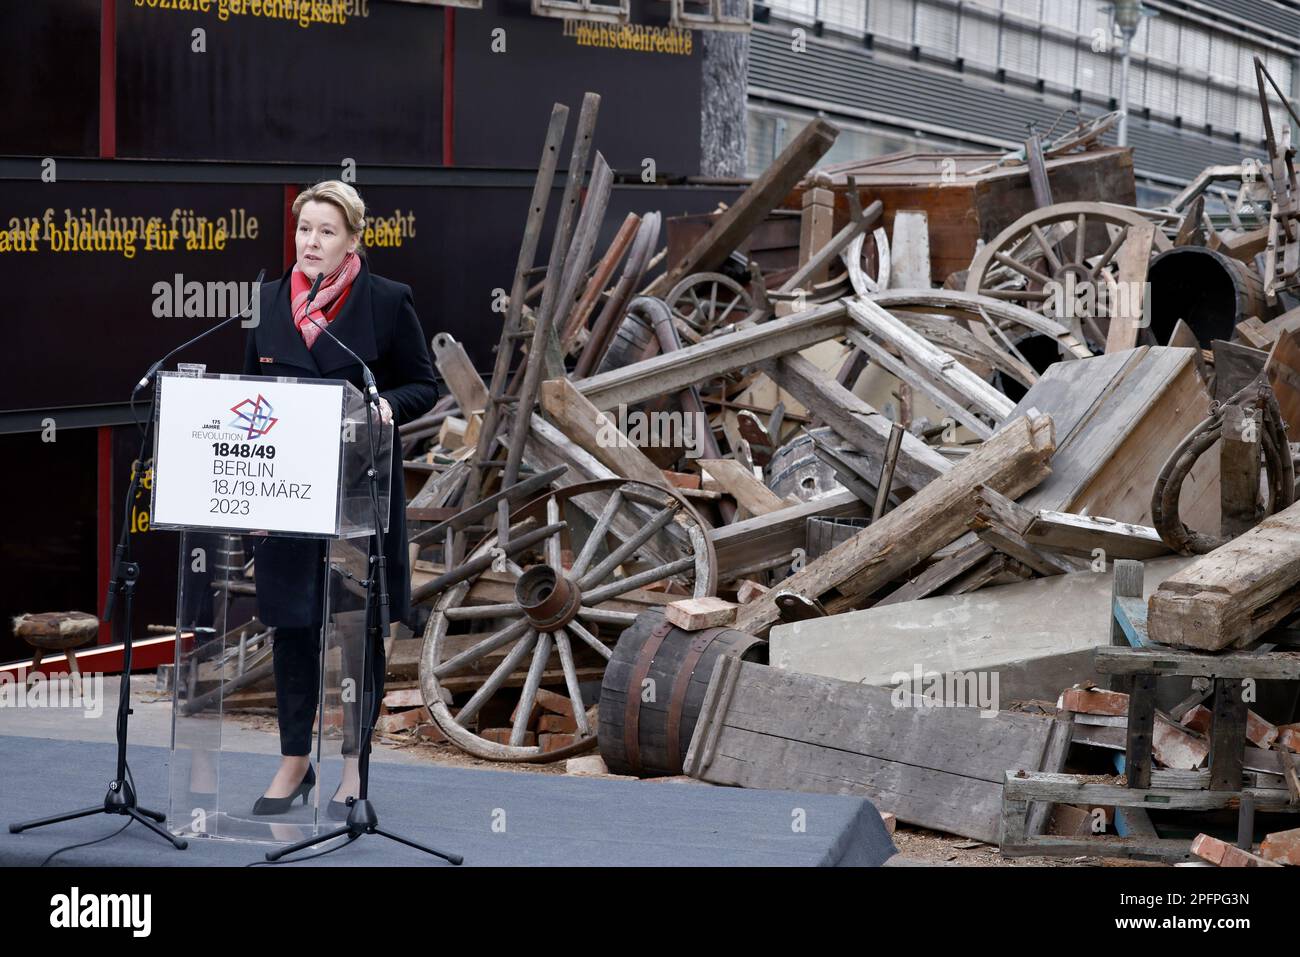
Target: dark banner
x=240 y=82
x=50 y=52
x=48 y=559
x=457 y=247
x=103 y=278
x=359 y=82
x=512 y=66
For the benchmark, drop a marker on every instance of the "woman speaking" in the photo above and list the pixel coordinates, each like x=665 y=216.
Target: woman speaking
x=376 y=319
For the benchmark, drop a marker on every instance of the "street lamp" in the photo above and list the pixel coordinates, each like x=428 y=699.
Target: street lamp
x=1125 y=14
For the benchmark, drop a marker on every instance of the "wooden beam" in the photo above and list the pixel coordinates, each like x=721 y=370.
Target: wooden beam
x=932 y=361
x=1083 y=535
x=1234 y=594
x=1239 y=468
x=1131 y=270
x=940 y=768
x=1012 y=462
x=855 y=421
x=460 y=375
x=739 y=482
x=748 y=542
x=674 y=371
x=596 y=432
x=752 y=207
x=1001 y=523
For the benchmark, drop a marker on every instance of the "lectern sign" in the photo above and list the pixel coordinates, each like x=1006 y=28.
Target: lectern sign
x=247 y=454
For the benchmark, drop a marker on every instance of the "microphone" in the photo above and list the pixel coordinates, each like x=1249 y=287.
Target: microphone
x=380 y=573
x=153 y=369
x=372 y=392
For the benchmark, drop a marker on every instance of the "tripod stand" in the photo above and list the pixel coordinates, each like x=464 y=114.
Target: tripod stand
x=121 y=797
x=362 y=816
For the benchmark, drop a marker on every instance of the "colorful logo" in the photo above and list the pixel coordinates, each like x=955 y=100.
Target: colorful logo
x=253 y=417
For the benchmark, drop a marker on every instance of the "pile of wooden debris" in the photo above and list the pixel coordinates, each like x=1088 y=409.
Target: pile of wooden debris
x=838 y=488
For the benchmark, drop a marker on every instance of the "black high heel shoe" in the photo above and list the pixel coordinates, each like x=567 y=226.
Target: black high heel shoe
x=267 y=805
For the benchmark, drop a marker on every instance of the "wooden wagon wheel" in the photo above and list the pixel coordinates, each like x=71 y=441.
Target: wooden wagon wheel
x=705 y=301
x=1072 y=245
x=565 y=603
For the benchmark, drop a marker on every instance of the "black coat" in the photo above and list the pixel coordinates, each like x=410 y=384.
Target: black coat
x=379 y=324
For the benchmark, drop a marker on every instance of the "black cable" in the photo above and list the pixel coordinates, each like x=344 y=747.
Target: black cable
x=73 y=847
x=309 y=857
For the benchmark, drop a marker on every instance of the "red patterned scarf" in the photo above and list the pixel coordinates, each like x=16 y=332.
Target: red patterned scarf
x=329 y=299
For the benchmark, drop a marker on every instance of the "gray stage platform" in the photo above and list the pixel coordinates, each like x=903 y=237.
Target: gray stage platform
x=550 y=820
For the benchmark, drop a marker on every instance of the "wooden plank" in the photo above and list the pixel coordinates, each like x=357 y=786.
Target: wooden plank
x=596 y=432
x=671 y=372
x=1140 y=730
x=731 y=228
x=1235 y=367
x=1083 y=535
x=930 y=359
x=909 y=250
x=741 y=483
x=1126 y=583
x=938 y=575
x=618 y=247
x=1054 y=758
x=855 y=421
x=750 y=541
x=1283 y=370
x=458 y=372
x=1172 y=661
x=1119 y=416
x=1239 y=468
x=816 y=226
x=1138 y=847
x=1001 y=523
x=1227 y=735
x=1131 y=271
x=997 y=569
x=1011 y=462
x=1130 y=619
x=1074 y=789
x=933 y=767
x=1255 y=334
x=1236 y=593
x=1183 y=337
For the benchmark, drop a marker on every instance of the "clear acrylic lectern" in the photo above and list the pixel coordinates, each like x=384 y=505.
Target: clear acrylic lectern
x=266 y=479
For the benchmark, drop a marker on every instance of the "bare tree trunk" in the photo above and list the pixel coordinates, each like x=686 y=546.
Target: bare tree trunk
x=722 y=121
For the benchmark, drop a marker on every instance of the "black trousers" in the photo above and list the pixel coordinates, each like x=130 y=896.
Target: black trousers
x=296 y=653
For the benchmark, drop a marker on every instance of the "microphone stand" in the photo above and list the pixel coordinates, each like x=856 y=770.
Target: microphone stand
x=362 y=817
x=121 y=796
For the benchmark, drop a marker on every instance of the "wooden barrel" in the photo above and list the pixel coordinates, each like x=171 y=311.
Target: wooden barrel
x=653 y=688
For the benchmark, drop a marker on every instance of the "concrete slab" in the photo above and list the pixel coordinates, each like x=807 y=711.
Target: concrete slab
x=1037 y=636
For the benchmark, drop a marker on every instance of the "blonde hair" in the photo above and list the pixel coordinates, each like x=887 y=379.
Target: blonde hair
x=343 y=197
